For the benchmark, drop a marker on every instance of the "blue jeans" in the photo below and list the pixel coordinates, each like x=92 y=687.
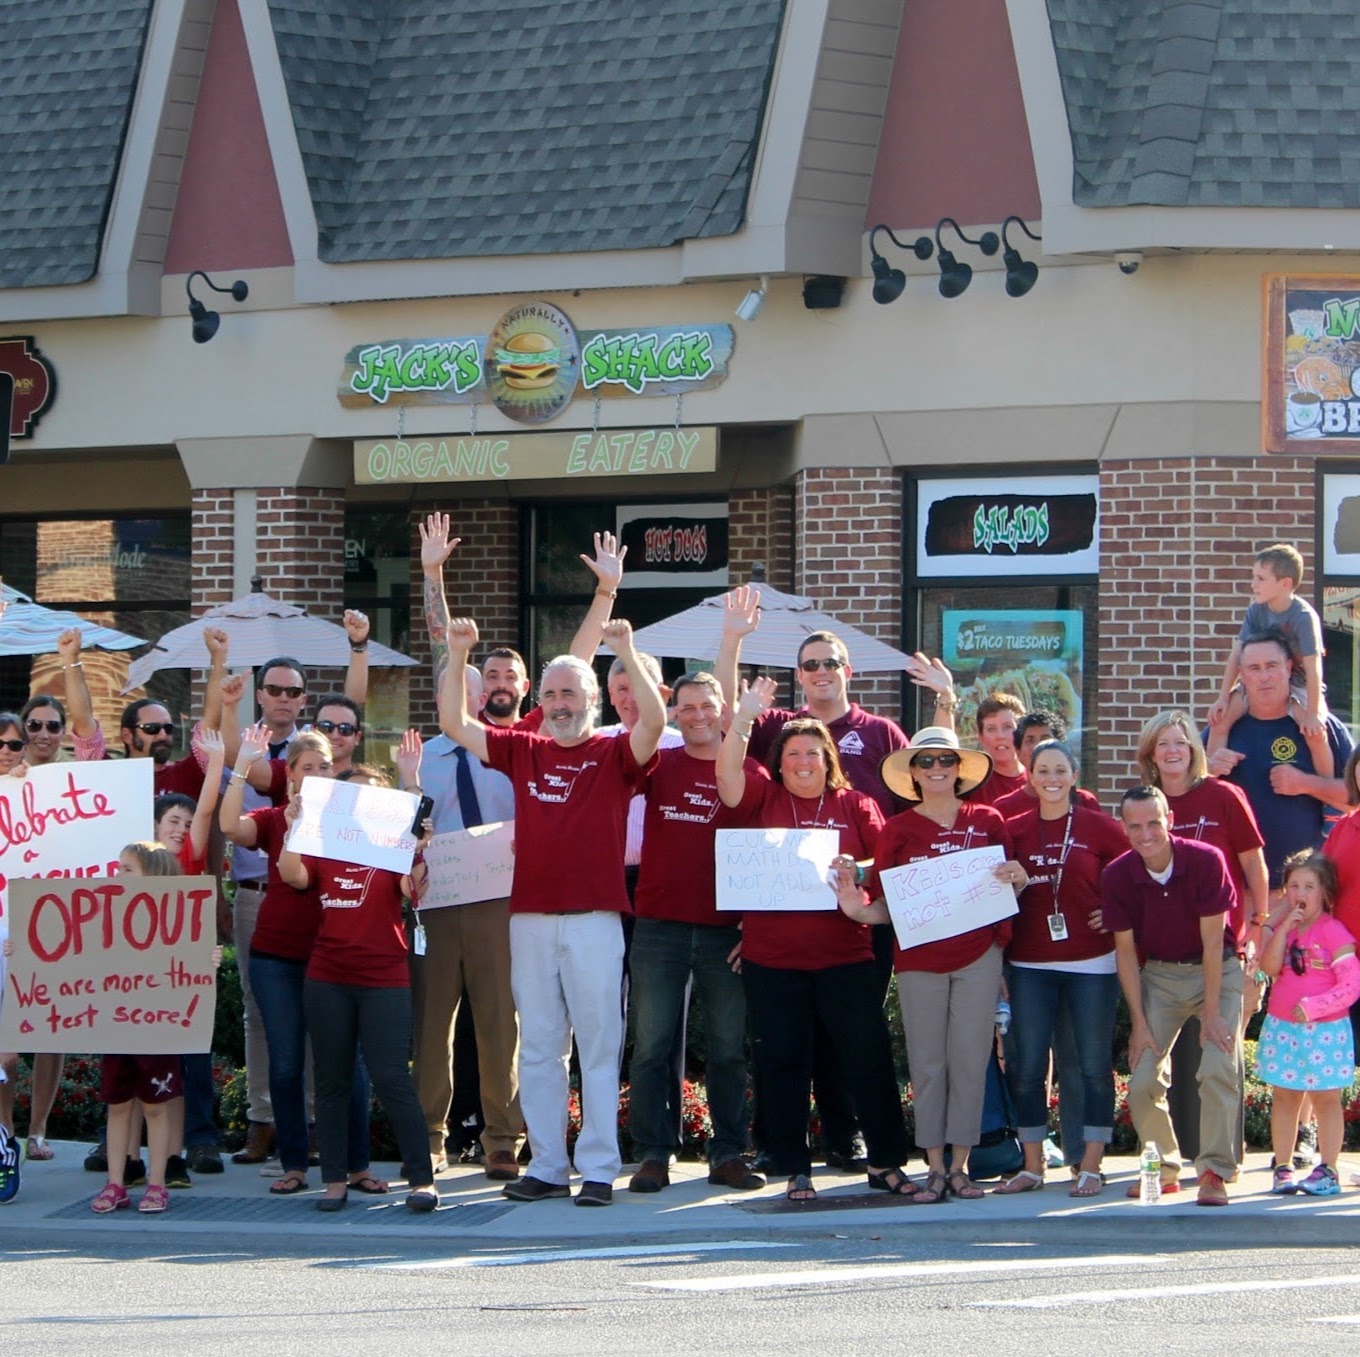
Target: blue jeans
x=664 y=956
x=1039 y=1000
x=278 y=992
x=200 y=1128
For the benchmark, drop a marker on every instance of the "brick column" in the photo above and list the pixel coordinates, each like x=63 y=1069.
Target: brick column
x=760 y=532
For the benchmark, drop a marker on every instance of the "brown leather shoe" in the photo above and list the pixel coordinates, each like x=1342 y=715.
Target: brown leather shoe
x=735 y=1174
x=259 y=1144
x=652 y=1176
x=502 y=1166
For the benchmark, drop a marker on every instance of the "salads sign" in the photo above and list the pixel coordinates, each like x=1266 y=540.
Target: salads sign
x=534 y=363
x=1311 y=367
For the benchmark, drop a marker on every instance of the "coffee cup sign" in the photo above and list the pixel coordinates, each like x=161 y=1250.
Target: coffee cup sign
x=115 y=964
x=947 y=895
x=1302 y=410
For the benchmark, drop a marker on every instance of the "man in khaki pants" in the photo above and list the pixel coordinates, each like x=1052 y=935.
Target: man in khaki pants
x=1168 y=900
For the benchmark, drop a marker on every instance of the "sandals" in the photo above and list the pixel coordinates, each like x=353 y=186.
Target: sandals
x=1024 y=1181
x=422 y=1200
x=1086 y=1184
x=38 y=1151
x=291 y=1182
x=934 y=1189
x=373 y=1187
x=154 y=1200
x=894 y=1181
x=800 y=1189
x=963 y=1187
x=111 y=1198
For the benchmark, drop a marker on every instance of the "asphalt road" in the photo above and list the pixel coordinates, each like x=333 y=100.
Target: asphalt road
x=895 y=1288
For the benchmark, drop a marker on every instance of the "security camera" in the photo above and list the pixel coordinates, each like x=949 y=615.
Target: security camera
x=749 y=306
x=1128 y=260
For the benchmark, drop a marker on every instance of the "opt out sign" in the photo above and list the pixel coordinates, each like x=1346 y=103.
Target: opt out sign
x=122 y=966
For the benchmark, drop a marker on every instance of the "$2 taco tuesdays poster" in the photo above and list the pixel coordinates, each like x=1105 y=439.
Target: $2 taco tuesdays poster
x=1035 y=654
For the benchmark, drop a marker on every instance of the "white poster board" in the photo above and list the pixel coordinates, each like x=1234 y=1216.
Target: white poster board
x=349 y=822
x=784 y=869
x=467 y=865
x=947 y=895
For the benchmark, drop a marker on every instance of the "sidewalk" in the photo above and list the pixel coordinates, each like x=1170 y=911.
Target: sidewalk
x=236 y=1205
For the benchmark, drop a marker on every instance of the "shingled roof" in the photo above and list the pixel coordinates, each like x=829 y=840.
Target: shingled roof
x=68 y=71
x=467 y=128
x=1211 y=103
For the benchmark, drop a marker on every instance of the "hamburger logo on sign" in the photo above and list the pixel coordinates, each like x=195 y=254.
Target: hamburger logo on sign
x=532 y=363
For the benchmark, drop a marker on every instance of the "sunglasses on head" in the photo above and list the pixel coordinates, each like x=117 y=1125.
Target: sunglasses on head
x=930 y=760
x=156 y=727
x=52 y=727
x=279 y=690
x=345 y=728
x=14 y=745
x=812 y=666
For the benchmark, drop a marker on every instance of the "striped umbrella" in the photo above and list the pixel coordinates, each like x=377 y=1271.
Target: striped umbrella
x=28 y=628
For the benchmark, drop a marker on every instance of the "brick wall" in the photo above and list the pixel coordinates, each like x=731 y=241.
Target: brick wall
x=213 y=514
x=760 y=532
x=1177 y=540
x=481 y=581
x=848 y=524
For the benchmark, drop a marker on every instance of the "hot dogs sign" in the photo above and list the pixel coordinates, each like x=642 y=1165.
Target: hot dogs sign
x=534 y=363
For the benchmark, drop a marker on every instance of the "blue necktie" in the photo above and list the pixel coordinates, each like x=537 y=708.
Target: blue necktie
x=468 y=804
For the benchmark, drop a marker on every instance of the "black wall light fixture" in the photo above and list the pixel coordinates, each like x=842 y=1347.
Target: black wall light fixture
x=1021 y=274
x=888 y=281
x=955 y=275
x=205 y=321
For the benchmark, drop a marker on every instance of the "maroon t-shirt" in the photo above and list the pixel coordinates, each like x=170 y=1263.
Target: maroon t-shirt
x=361 y=940
x=1219 y=813
x=677 y=879
x=862 y=741
x=912 y=837
x=184 y=776
x=288 y=919
x=1025 y=799
x=808 y=940
x=997 y=786
x=571 y=805
x=1047 y=849
x=1164 y=920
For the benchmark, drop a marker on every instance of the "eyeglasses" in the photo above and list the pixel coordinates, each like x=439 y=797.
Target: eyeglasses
x=345 y=728
x=51 y=727
x=15 y=745
x=930 y=760
x=278 y=690
x=1298 y=959
x=812 y=666
x=156 y=727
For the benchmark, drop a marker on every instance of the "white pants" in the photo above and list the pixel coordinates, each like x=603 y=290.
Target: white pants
x=566 y=973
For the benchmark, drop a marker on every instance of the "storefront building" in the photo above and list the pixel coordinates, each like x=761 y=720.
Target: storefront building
x=1060 y=490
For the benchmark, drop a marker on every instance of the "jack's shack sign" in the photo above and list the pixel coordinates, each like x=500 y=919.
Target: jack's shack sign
x=534 y=363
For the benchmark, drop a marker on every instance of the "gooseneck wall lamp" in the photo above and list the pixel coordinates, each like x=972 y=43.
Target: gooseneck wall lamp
x=205 y=321
x=1021 y=274
x=889 y=282
x=955 y=275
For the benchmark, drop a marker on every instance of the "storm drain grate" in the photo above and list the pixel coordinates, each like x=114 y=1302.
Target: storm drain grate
x=185 y=1206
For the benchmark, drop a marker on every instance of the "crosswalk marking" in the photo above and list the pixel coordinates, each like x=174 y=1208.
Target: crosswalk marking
x=1161 y=1292
x=678 y=1251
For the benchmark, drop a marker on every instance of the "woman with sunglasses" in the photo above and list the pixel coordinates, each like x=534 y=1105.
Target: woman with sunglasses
x=948 y=989
x=797 y=967
x=279 y=951
x=44 y=717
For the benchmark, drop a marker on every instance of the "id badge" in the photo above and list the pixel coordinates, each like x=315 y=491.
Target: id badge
x=1057 y=927
x=418 y=940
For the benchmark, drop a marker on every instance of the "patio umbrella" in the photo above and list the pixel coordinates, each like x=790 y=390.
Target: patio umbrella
x=28 y=628
x=785 y=622
x=259 y=627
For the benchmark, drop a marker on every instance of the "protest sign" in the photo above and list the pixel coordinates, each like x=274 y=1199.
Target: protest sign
x=122 y=966
x=776 y=868
x=948 y=895
x=467 y=865
x=72 y=819
x=347 y=822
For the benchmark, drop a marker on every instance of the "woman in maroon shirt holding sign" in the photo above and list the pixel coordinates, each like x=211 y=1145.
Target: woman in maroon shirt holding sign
x=1062 y=958
x=948 y=988
x=801 y=965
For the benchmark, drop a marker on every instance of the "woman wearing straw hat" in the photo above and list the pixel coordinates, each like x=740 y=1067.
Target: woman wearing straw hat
x=799 y=965
x=948 y=989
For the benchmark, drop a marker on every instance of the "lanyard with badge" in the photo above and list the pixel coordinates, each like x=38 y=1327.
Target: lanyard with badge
x=1057 y=921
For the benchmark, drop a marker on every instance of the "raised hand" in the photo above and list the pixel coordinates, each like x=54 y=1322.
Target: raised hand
x=254 y=744
x=68 y=646
x=408 y=757
x=436 y=546
x=741 y=611
x=618 y=635
x=217 y=641
x=757 y=697
x=210 y=742
x=462 y=634
x=607 y=567
x=932 y=673
x=232 y=690
x=356 y=626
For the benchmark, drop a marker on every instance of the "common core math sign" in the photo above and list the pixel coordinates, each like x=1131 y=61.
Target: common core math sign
x=117 y=965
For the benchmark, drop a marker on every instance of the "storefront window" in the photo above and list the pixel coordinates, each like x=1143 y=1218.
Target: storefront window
x=378 y=582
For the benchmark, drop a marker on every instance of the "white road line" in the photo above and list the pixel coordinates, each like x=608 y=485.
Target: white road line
x=1160 y=1292
x=887 y=1271
x=1337 y=1319
x=678 y=1251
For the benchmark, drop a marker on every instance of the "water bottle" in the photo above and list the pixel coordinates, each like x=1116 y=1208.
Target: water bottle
x=1003 y=1016
x=1150 y=1174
